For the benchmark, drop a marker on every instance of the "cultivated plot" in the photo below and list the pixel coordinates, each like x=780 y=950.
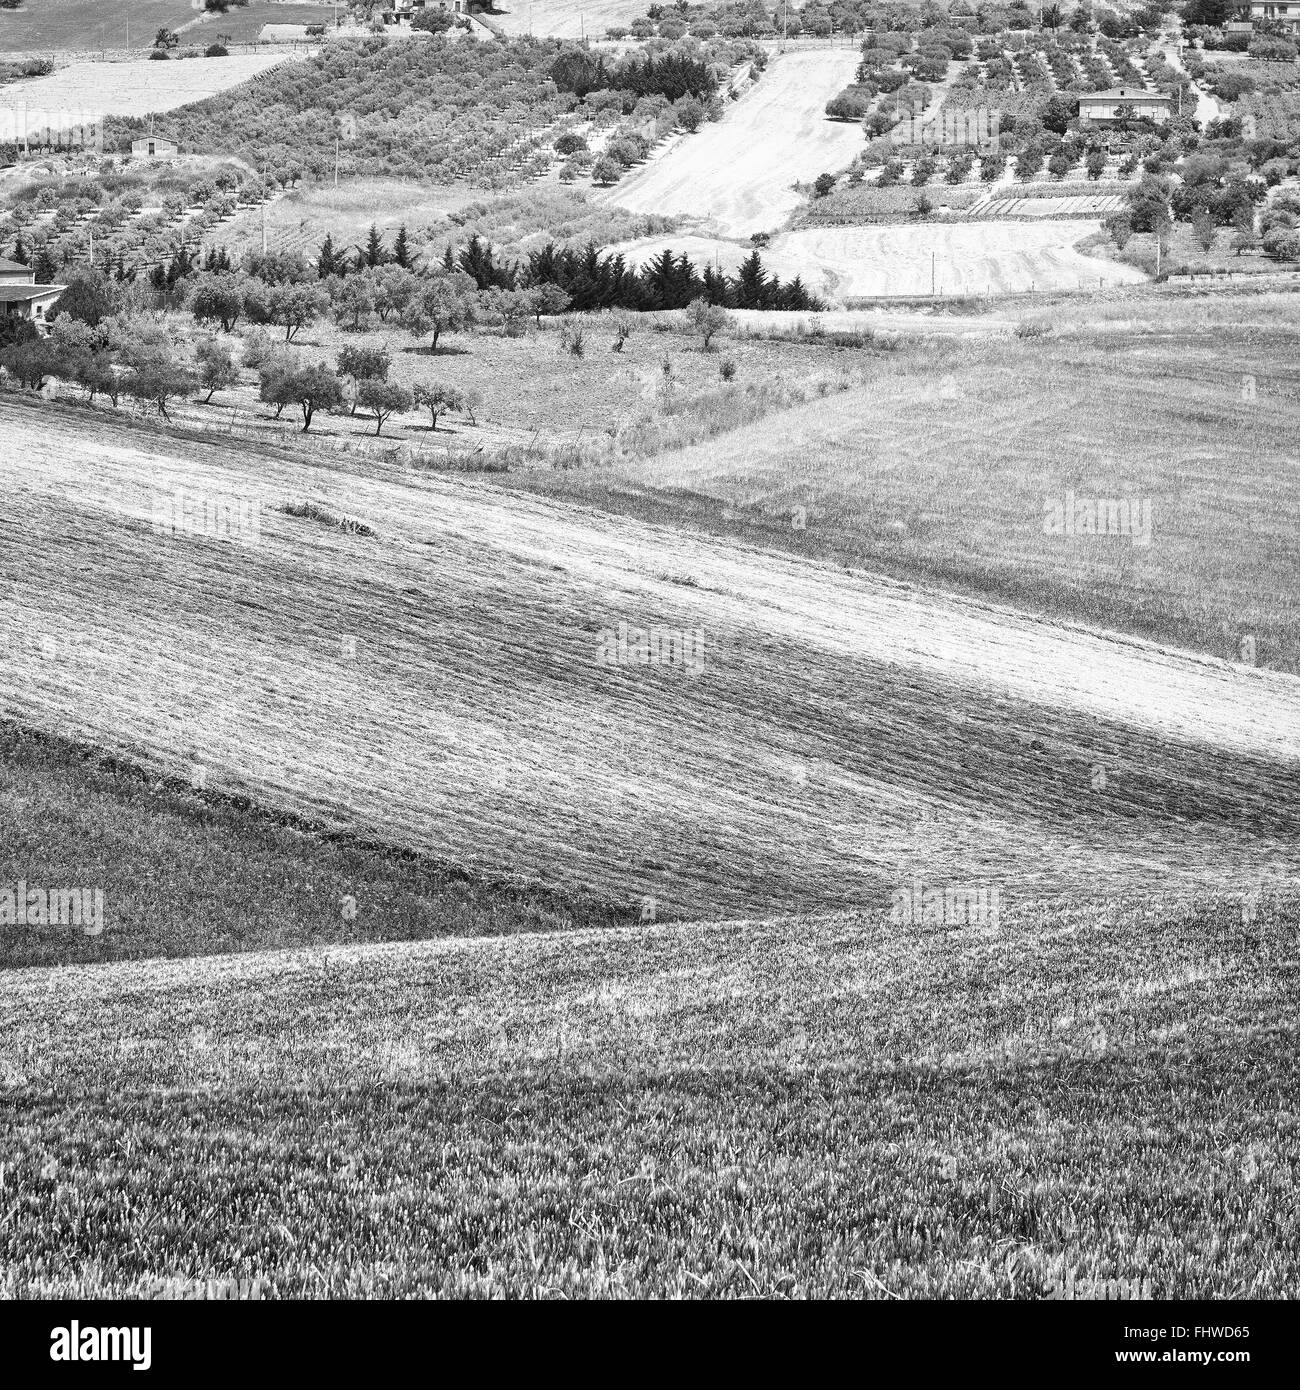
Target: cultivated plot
x=738 y=175
x=135 y=88
x=962 y=258
x=466 y=681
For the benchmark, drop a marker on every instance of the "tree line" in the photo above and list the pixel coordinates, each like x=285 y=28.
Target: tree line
x=594 y=281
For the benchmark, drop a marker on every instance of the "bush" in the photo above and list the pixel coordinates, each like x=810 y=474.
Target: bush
x=216 y=50
x=708 y=320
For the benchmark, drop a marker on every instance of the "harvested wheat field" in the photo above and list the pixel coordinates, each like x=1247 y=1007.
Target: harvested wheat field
x=135 y=88
x=963 y=258
x=435 y=684
x=738 y=175
x=564 y=19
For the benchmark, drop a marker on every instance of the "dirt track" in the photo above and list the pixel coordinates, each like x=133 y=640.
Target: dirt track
x=738 y=173
x=844 y=734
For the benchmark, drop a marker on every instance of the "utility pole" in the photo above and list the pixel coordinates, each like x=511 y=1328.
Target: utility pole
x=931 y=274
x=336 y=160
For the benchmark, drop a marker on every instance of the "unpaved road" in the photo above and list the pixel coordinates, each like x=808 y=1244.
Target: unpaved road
x=737 y=175
x=834 y=714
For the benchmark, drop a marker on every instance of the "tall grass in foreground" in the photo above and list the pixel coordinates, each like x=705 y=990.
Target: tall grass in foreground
x=808 y=1107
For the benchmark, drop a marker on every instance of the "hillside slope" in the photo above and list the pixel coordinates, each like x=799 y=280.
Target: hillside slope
x=436 y=685
x=826 y=1106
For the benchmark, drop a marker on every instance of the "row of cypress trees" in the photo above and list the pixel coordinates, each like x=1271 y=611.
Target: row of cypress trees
x=596 y=281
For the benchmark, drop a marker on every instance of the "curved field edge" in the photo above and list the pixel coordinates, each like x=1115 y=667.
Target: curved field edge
x=186 y=871
x=821 y=1106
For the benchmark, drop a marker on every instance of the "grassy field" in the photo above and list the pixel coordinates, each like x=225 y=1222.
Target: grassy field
x=302 y=219
x=136 y=88
x=191 y=872
x=965 y=258
x=939 y=471
x=77 y=25
x=823 y=1106
x=837 y=734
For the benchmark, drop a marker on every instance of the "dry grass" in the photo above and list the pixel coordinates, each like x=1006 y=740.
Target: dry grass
x=808 y=1107
x=738 y=175
x=941 y=468
x=139 y=87
x=301 y=220
x=76 y=25
x=835 y=713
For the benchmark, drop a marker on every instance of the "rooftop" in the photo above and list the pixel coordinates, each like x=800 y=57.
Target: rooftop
x=19 y=294
x=13 y=268
x=1126 y=94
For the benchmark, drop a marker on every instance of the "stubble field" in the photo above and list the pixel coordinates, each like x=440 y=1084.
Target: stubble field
x=135 y=88
x=838 y=734
x=737 y=175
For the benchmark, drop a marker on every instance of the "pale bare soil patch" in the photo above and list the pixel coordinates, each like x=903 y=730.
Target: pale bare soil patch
x=845 y=732
x=565 y=19
x=135 y=88
x=738 y=174
x=961 y=258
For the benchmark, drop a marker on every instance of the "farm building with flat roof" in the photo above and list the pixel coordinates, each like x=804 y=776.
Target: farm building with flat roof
x=1106 y=106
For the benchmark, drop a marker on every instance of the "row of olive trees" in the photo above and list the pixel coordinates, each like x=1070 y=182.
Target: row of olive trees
x=135 y=358
x=426 y=305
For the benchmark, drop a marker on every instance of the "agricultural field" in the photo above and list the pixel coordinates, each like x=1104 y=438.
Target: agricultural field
x=303 y=217
x=959 y=501
x=244 y=25
x=576 y=788
x=137 y=89
x=736 y=176
x=979 y=257
x=563 y=19
x=769 y=788
x=801 y=1107
x=78 y=25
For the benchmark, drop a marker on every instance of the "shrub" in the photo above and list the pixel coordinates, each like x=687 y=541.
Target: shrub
x=708 y=320
x=727 y=369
